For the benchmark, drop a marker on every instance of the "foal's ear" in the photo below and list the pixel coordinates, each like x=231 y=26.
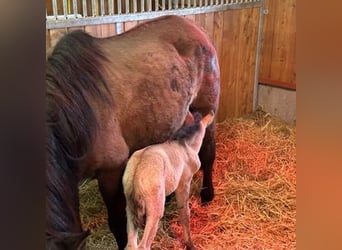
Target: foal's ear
x=189 y=119
x=208 y=119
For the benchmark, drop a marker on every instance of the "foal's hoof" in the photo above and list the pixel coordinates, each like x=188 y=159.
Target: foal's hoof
x=207 y=195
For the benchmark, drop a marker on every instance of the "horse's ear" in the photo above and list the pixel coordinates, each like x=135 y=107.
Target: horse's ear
x=208 y=119
x=189 y=119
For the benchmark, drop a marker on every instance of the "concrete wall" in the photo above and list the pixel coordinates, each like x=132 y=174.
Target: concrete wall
x=278 y=102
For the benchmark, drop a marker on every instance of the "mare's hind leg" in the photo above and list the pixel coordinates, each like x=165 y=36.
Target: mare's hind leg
x=207 y=156
x=110 y=185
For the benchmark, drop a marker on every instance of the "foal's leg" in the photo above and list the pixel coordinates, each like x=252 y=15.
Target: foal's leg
x=207 y=157
x=132 y=232
x=110 y=185
x=154 y=212
x=182 y=197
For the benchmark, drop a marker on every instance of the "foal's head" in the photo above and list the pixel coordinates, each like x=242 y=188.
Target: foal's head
x=196 y=141
x=193 y=130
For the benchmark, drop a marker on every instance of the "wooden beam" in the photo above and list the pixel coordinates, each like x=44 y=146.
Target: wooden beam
x=276 y=83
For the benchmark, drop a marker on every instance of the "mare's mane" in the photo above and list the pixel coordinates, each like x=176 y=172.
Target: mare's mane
x=74 y=79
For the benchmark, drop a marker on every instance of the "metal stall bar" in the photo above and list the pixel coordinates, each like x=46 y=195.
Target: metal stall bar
x=126 y=6
x=175 y=4
x=84 y=7
x=142 y=5
x=102 y=8
x=65 y=9
x=53 y=22
x=119 y=6
x=94 y=7
x=257 y=57
x=54 y=8
x=156 y=5
x=111 y=7
x=149 y=5
x=74 y=7
x=135 y=8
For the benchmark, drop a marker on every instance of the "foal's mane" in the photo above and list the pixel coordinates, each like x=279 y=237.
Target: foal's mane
x=189 y=130
x=75 y=81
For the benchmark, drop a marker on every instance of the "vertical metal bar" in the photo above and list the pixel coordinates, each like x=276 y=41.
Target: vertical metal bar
x=170 y=4
x=65 y=10
x=69 y=7
x=163 y=4
x=134 y=6
x=84 y=7
x=149 y=5
x=257 y=57
x=156 y=5
x=182 y=4
x=205 y=2
x=118 y=27
x=111 y=7
x=200 y=3
x=119 y=7
x=74 y=7
x=142 y=5
x=126 y=6
x=102 y=8
x=175 y=4
x=195 y=3
x=54 y=8
x=188 y=3
x=94 y=7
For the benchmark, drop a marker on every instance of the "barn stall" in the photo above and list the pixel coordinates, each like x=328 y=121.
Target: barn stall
x=255 y=168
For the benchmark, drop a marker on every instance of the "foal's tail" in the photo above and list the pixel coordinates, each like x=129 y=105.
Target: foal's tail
x=138 y=210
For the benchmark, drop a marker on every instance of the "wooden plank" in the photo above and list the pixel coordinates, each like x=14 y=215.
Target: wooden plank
x=228 y=73
x=129 y=25
x=55 y=35
x=247 y=54
x=209 y=23
x=107 y=30
x=276 y=83
x=94 y=30
x=278 y=45
x=217 y=38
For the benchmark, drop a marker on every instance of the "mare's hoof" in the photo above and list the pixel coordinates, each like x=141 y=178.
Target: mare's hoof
x=190 y=246
x=207 y=195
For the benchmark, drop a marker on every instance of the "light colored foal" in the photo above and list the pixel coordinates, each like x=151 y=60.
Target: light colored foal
x=155 y=172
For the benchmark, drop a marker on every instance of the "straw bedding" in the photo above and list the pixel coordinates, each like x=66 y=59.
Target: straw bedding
x=255 y=193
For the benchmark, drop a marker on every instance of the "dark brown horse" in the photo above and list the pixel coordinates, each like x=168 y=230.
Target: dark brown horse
x=109 y=97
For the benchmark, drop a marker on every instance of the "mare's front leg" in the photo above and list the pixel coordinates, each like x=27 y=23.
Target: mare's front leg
x=182 y=197
x=111 y=188
x=207 y=156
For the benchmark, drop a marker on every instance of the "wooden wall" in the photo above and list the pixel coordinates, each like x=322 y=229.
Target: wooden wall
x=234 y=33
x=277 y=65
